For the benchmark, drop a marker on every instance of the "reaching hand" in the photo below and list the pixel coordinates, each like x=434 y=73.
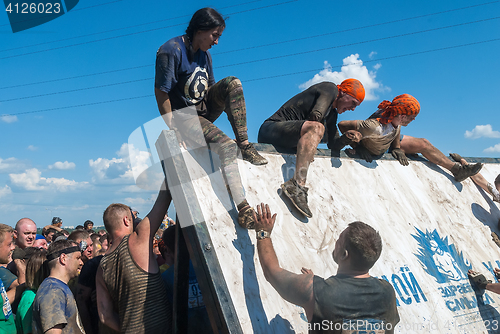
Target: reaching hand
x=496 y=271
x=399 y=155
x=264 y=220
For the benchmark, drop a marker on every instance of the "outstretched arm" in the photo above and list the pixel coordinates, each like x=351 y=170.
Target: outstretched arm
x=165 y=108
x=141 y=241
x=494 y=287
x=296 y=289
x=348 y=125
x=147 y=228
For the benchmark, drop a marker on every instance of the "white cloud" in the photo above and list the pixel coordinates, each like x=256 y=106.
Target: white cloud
x=63 y=165
x=352 y=68
x=138 y=201
x=8 y=118
x=32 y=180
x=372 y=54
x=493 y=149
x=5 y=191
x=120 y=170
x=32 y=148
x=79 y=208
x=11 y=165
x=482 y=131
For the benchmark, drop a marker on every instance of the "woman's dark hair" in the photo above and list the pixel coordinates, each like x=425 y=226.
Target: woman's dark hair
x=204 y=19
x=36 y=271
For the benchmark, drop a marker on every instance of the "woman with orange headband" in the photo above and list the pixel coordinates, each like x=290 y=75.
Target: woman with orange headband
x=382 y=129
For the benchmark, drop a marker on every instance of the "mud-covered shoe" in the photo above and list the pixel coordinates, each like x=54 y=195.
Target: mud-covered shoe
x=461 y=172
x=298 y=195
x=245 y=216
x=250 y=154
x=456 y=157
x=495 y=238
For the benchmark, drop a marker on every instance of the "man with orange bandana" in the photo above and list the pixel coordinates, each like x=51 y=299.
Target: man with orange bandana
x=303 y=121
x=381 y=131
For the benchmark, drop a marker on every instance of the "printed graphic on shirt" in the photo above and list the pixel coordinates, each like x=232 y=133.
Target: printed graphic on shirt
x=6 y=309
x=196 y=86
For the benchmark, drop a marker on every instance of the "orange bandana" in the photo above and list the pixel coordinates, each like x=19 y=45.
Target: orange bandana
x=403 y=104
x=354 y=88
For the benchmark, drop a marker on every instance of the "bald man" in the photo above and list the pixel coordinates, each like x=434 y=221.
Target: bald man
x=303 y=122
x=25 y=233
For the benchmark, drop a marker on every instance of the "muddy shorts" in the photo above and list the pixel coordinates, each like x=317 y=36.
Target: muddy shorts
x=284 y=134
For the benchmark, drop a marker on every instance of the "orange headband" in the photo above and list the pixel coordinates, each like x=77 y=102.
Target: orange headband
x=403 y=104
x=354 y=88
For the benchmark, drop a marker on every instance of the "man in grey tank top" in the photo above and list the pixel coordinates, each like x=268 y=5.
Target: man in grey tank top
x=131 y=297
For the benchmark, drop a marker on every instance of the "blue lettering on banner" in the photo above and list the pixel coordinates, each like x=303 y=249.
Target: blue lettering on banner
x=489 y=266
x=406 y=286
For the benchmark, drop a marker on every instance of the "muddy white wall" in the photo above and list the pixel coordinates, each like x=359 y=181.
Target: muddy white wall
x=433 y=229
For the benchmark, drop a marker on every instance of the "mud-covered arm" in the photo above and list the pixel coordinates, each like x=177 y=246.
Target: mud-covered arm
x=294 y=288
x=344 y=126
x=323 y=103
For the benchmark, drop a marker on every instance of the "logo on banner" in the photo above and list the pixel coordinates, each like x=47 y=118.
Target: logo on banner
x=439 y=258
x=25 y=15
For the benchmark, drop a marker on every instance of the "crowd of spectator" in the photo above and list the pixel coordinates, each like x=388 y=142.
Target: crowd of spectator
x=48 y=280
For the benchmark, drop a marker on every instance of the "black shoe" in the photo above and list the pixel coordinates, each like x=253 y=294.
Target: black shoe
x=250 y=154
x=298 y=195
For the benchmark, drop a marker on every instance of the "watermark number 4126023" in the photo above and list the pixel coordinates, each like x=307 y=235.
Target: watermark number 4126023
x=32 y=8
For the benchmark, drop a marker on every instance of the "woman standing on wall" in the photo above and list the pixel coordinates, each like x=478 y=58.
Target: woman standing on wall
x=184 y=81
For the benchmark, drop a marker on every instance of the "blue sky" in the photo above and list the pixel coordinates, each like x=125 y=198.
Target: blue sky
x=73 y=90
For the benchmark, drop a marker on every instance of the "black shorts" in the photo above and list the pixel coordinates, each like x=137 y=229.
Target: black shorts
x=284 y=134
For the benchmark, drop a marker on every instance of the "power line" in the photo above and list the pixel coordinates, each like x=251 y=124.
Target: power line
x=258 y=46
x=260 y=60
x=357 y=43
x=76 y=90
x=134 y=33
x=377 y=60
x=112 y=30
x=356 y=28
x=78 y=105
x=264 y=78
x=77 y=77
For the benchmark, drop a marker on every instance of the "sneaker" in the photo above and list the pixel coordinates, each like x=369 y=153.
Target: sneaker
x=298 y=195
x=495 y=238
x=245 y=216
x=461 y=172
x=251 y=155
